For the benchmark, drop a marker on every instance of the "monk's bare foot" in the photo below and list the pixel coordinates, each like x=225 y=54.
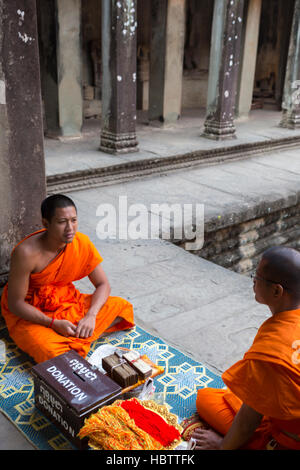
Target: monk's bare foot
x=207 y=439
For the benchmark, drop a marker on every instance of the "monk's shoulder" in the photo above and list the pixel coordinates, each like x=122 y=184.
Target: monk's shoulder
x=82 y=236
x=82 y=239
x=26 y=252
x=85 y=246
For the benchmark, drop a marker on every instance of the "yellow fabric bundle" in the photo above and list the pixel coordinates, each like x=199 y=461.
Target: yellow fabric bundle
x=111 y=428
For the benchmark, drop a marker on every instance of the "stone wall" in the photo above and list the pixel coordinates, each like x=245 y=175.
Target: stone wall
x=194 y=89
x=238 y=246
x=196 y=54
x=22 y=166
x=275 y=26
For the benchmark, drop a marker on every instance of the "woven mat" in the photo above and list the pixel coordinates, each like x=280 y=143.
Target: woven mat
x=177 y=385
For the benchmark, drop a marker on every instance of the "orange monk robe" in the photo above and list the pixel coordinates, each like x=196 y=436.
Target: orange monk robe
x=267 y=379
x=53 y=293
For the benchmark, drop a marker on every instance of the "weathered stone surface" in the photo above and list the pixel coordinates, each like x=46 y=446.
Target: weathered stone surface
x=166 y=60
x=48 y=62
x=69 y=67
x=291 y=98
x=22 y=168
x=223 y=70
x=119 y=77
x=60 y=43
x=245 y=95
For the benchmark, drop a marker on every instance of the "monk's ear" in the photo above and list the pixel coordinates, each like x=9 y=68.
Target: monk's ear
x=45 y=223
x=277 y=291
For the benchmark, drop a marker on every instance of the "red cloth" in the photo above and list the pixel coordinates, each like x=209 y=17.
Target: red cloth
x=151 y=422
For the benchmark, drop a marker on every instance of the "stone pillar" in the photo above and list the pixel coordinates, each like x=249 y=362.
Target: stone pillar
x=118 y=128
x=143 y=53
x=61 y=65
x=223 y=69
x=22 y=166
x=166 y=60
x=143 y=68
x=47 y=43
x=285 y=18
x=291 y=93
x=249 y=58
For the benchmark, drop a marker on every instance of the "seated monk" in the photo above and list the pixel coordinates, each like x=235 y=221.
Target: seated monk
x=261 y=406
x=44 y=312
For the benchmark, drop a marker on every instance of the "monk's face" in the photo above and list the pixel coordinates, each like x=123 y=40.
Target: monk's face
x=63 y=225
x=262 y=288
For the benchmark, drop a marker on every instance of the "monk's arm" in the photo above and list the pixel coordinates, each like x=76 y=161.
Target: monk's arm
x=20 y=269
x=102 y=290
x=244 y=424
x=86 y=325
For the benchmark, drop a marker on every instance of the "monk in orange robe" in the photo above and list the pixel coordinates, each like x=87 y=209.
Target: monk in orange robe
x=260 y=408
x=44 y=312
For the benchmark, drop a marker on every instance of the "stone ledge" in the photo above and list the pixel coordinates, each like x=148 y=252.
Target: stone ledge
x=113 y=174
x=238 y=246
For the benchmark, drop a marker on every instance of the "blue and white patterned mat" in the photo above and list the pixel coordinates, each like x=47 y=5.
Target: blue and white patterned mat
x=179 y=383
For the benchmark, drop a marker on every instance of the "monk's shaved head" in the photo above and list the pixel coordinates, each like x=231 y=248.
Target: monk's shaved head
x=51 y=203
x=281 y=264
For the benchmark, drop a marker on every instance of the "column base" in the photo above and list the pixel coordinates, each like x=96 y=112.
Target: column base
x=217 y=130
x=118 y=143
x=290 y=120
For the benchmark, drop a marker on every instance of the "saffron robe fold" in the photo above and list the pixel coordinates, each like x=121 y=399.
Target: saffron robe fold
x=268 y=378
x=53 y=293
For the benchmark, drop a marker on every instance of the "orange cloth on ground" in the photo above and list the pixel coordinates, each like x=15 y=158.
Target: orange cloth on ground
x=215 y=408
x=267 y=379
x=52 y=292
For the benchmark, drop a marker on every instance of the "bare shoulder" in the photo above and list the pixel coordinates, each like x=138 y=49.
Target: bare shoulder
x=25 y=254
x=23 y=261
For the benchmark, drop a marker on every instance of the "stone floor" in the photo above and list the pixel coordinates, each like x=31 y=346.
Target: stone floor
x=157 y=141
x=202 y=309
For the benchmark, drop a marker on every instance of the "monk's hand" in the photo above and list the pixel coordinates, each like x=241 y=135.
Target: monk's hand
x=86 y=326
x=64 y=327
x=207 y=439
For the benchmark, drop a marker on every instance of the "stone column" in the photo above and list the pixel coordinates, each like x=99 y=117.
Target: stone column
x=285 y=18
x=166 y=60
x=22 y=166
x=249 y=58
x=291 y=93
x=48 y=61
x=118 y=128
x=223 y=69
x=61 y=65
